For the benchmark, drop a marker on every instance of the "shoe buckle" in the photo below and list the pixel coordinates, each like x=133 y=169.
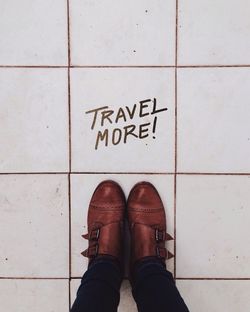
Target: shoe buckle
x=96 y=249
x=94 y=234
x=159 y=235
x=161 y=252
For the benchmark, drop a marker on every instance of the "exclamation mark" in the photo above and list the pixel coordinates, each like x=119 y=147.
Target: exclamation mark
x=154 y=126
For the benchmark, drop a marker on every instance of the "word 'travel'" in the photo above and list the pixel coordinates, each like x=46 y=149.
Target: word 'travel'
x=104 y=117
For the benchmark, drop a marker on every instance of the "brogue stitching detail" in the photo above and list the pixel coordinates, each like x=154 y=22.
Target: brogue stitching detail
x=106 y=207
x=149 y=210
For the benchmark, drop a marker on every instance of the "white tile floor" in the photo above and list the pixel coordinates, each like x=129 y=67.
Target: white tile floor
x=60 y=59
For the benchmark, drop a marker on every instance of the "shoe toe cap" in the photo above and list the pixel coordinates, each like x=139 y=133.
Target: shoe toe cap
x=145 y=196
x=108 y=193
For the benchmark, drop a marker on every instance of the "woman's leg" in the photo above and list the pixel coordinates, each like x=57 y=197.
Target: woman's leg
x=99 y=289
x=154 y=288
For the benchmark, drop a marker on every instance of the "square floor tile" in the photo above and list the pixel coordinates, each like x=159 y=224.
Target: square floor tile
x=127 y=303
x=215 y=296
x=34 y=295
x=33 y=32
x=34 y=224
x=213 y=120
x=34 y=120
x=213 y=226
x=122 y=33
x=213 y=33
x=82 y=188
x=114 y=141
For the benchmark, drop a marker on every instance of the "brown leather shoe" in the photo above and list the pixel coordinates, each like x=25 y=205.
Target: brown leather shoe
x=147 y=223
x=105 y=221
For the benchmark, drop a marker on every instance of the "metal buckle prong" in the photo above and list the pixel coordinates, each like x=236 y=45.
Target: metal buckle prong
x=94 y=235
x=159 y=236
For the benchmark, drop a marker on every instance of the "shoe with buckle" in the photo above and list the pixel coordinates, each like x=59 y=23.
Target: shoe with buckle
x=105 y=222
x=147 y=224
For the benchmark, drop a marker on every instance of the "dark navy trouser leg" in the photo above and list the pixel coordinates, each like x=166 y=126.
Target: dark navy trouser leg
x=154 y=289
x=99 y=289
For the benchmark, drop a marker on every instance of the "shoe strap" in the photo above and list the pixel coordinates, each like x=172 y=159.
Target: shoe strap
x=104 y=240
x=148 y=241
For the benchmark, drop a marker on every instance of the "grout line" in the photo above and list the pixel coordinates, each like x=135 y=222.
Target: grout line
x=196 y=278
x=212 y=66
x=213 y=278
x=69 y=141
x=126 y=66
x=33 y=173
x=69 y=89
x=122 y=66
x=80 y=277
x=85 y=172
x=33 y=278
x=34 y=66
x=215 y=173
x=176 y=129
x=84 y=66
x=125 y=173
x=177 y=278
